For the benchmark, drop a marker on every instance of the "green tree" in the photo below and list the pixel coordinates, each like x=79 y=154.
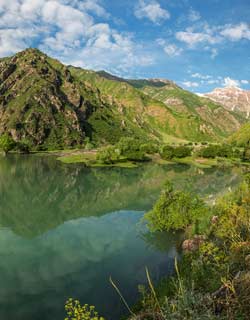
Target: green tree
x=108 y=155
x=167 y=152
x=6 y=143
x=182 y=152
x=130 y=149
x=174 y=210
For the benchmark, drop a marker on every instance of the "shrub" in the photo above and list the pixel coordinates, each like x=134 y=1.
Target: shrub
x=246 y=154
x=108 y=155
x=130 y=149
x=182 y=152
x=167 y=152
x=77 y=312
x=23 y=147
x=174 y=210
x=7 y=143
x=149 y=148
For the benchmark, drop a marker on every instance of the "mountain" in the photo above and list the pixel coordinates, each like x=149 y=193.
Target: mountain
x=232 y=98
x=51 y=106
x=41 y=102
x=173 y=111
x=241 y=138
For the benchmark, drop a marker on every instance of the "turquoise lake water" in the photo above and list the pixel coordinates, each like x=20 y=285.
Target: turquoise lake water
x=65 y=229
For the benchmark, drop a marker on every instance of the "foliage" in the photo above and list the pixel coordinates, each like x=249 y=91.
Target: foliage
x=182 y=152
x=108 y=155
x=213 y=151
x=213 y=281
x=130 y=149
x=149 y=148
x=23 y=146
x=246 y=154
x=167 y=152
x=6 y=143
x=174 y=210
x=77 y=312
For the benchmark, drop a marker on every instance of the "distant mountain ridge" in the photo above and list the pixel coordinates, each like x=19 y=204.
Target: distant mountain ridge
x=232 y=98
x=51 y=106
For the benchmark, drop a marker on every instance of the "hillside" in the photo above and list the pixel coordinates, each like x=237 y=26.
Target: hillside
x=232 y=98
x=186 y=115
x=204 y=114
x=51 y=106
x=42 y=103
x=241 y=138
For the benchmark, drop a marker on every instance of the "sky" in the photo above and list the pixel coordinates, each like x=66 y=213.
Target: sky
x=199 y=44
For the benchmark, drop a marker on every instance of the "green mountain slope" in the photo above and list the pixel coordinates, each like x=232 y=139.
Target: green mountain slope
x=41 y=102
x=186 y=116
x=241 y=138
x=54 y=106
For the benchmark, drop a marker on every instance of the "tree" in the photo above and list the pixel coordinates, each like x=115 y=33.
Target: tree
x=167 y=152
x=130 y=149
x=108 y=155
x=182 y=152
x=6 y=143
x=23 y=147
x=175 y=210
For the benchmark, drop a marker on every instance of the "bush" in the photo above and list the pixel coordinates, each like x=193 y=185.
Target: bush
x=23 y=147
x=174 y=210
x=108 y=155
x=167 y=152
x=130 y=149
x=182 y=152
x=7 y=143
x=213 y=151
x=149 y=148
x=77 y=312
x=246 y=154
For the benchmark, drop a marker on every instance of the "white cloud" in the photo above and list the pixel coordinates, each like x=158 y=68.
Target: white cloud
x=200 y=76
x=151 y=10
x=236 y=32
x=190 y=84
x=229 y=82
x=193 y=38
x=244 y=81
x=170 y=49
x=214 y=53
x=193 y=15
x=67 y=30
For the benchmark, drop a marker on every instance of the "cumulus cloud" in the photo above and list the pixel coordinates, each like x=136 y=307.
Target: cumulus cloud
x=236 y=32
x=170 y=49
x=229 y=82
x=151 y=10
x=193 y=15
x=67 y=30
x=200 y=76
x=193 y=38
x=190 y=84
x=244 y=81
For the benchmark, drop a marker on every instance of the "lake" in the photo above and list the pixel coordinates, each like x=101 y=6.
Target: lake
x=65 y=229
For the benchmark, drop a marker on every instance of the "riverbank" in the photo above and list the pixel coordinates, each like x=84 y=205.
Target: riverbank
x=212 y=280
x=89 y=158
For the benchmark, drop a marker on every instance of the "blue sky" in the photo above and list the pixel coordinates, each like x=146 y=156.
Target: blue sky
x=199 y=44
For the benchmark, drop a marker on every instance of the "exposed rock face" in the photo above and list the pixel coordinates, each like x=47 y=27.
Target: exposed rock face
x=232 y=98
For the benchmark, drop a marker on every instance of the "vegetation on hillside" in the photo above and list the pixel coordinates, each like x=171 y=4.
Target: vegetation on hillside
x=213 y=277
x=242 y=137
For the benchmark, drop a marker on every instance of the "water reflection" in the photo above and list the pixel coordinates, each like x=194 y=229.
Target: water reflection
x=38 y=193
